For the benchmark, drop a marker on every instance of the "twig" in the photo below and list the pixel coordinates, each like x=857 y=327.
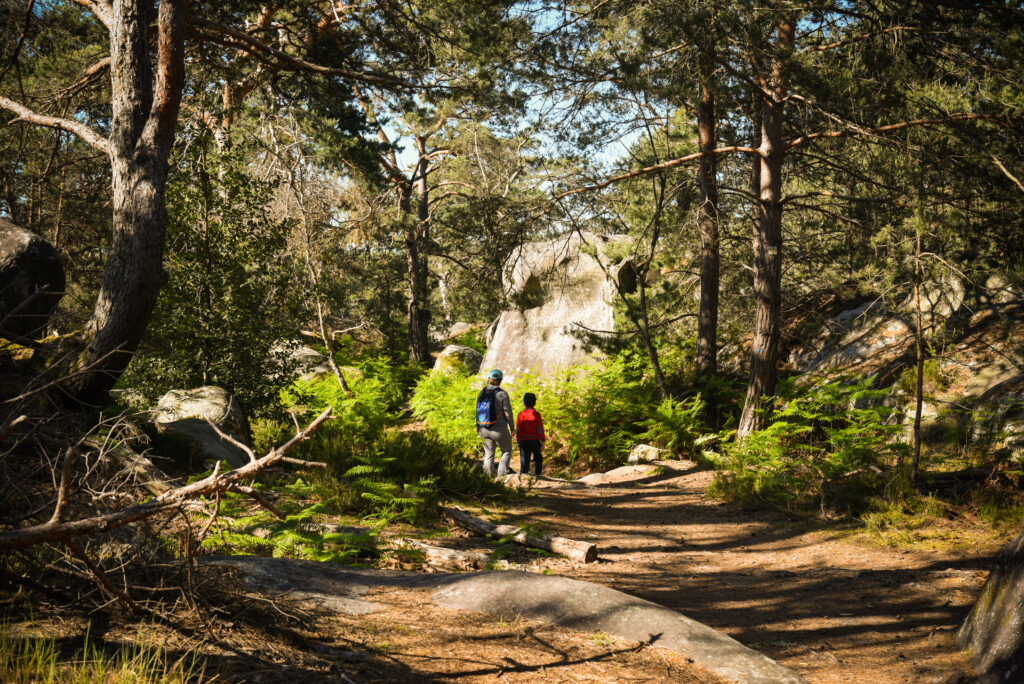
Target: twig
x=98 y=574
x=169 y=500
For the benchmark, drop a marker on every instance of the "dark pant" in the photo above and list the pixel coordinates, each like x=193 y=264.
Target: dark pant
x=528 y=447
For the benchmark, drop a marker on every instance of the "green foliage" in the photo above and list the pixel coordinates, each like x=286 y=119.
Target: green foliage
x=359 y=416
x=399 y=476
x=226 y=302
x=297 y=536
x=446 y=403
x=933 y=378
x=35 y=660
x=594 y=414
x=826 y=447
x=474 y=339
x=676 y=425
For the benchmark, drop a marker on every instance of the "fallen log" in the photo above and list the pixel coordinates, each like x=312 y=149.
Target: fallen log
x=585 y=552
x=444 y=558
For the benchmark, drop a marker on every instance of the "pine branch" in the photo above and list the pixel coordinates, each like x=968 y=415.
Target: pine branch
x=84 y=132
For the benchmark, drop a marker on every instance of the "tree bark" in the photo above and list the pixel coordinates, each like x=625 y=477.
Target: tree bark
x=707 y=221
x=764 y=355
x=144 y=114
x=416 y=235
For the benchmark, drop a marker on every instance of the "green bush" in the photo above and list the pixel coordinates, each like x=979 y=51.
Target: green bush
x=826 y=446
x=593 y=415
x=676 y=425
x=446 y=403
x=359 y=416
x=226 y=301
x=399 y=476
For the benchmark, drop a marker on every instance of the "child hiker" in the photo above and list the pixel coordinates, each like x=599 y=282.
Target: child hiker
x=530 y=435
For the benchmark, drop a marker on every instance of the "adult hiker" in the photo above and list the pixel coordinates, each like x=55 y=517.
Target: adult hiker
x=495 y=423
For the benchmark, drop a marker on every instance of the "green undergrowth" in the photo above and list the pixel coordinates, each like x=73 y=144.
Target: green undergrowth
x=828 y=446
x=982 y=515
x=593 y=415
x=375 y=472
x=38 y=660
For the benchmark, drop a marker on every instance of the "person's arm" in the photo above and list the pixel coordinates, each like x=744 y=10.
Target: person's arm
x=540 y=426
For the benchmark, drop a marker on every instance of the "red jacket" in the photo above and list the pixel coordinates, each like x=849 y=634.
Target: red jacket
x=529 y=425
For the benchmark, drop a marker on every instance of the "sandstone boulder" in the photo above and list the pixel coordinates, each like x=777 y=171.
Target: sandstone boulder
x=557 y=286
x=185 y=413
x=851 y=337
x=31 y=283
x=644 y=453
x=458 y=360
x=940 y=298
x=993 y=633
x=306 y=361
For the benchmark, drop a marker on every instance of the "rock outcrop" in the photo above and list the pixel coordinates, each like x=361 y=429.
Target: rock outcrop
x=558 y=286
x=185 y=413
x=31 y=283
x=993 y=633
x=458 y=359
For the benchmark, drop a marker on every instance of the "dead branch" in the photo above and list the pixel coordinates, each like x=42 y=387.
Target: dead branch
x=81 y=130
x=57 y=531
x=570 y=548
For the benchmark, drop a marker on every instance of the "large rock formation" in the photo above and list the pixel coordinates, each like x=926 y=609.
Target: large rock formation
x=31 y=283
x=557 y=286
x=458 y=359
x=185 y=413
x=994 y=631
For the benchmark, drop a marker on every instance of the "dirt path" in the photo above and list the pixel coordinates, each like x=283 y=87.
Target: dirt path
x=829 y=606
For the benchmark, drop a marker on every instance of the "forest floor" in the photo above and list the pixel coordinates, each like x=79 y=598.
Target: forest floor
x=820 y=598
x=825 y=601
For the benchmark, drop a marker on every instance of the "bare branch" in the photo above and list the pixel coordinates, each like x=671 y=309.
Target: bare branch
x=169 y=500
x=858 y=39
x=231 y=440
x=263 y=501
x=98 y=574
x=671 y=163
x=102 y=9
x=257 y=47
x=964 y=116
x=81 y=130
x=62 y=490
x=1006 y=172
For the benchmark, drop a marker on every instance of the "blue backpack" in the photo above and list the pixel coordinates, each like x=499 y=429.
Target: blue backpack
x=487 y=410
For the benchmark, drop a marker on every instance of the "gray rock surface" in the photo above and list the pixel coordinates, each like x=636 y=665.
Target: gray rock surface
x=458 y=359
x=27 y=263
x=556 y=285
x=558 y=600
x=645 y=453
x=993 y=632
x=851 y=337
x=594 y=608
x=998 y=289
x=308 y=362
x=185 y=413
x=940 y=298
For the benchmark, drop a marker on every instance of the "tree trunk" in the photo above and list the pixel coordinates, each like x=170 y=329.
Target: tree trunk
x=144 y=114
x=416 y=237
x=915 y=464
x=707 y=221
x=764 y=355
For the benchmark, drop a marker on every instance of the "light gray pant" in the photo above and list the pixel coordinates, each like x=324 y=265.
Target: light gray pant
x=501 y=438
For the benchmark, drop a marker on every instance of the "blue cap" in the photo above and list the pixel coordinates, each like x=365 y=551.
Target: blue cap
x=495 y=374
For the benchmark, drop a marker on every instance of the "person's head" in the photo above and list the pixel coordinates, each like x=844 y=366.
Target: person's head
x=494 y=377
x=529 y=400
